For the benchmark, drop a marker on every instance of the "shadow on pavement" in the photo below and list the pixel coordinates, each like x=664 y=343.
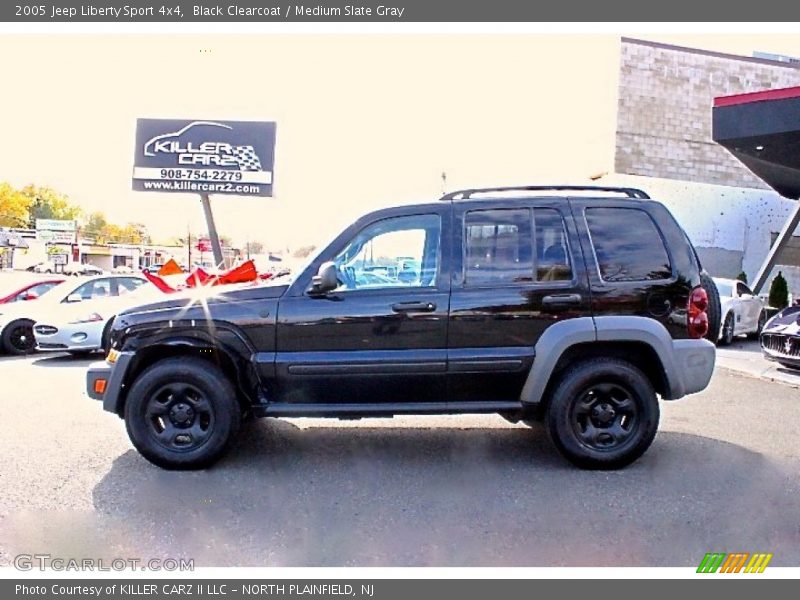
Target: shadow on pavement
x=67 y=360
x=403 y=496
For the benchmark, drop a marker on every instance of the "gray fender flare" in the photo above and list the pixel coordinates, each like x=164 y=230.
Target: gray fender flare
x=562 y=335
x=555 y=340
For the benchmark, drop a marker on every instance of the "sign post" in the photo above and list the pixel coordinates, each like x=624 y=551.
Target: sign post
x=205 y=157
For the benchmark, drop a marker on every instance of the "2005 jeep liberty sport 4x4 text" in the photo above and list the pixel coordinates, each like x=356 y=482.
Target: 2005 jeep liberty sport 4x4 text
x=575 y=306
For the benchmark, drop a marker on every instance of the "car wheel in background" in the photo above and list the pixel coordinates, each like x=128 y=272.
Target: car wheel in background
x=105 y=339
x=182 y=413
x=603 y=414
x=726 y=339
x=18 y=337
x=714 y=309
x=762 y=320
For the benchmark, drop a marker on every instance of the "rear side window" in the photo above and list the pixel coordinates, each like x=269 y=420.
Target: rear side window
x=627 y=244
x=552 y=255
x=498 y=246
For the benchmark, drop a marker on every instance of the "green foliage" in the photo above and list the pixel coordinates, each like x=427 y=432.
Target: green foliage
x=46 y=203
x=742 y=277
x=779 y=292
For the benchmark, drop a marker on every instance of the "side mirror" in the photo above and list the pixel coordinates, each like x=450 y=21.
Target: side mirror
x=325 y=280
x=74 y=298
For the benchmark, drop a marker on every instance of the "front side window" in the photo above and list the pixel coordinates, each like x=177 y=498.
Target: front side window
x=743 y=290
x=392 y=253
x=99 y=288
x=627 y=244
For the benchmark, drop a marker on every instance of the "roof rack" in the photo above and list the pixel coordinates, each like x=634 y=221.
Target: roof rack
x=465 y=194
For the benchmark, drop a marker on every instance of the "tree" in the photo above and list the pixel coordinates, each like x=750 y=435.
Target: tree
x=303 y=251
x=14 y=207
x=94 y=226
x=46 y=203
x=254 y=247
x=779 y=292
x=742 y=277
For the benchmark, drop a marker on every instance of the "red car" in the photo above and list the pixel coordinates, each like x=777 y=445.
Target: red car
x=31 y=291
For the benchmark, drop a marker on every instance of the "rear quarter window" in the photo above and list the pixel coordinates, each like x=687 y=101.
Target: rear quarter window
x=627 y=245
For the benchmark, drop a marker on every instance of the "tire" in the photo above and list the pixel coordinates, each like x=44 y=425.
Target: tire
x=602 y=414
x=105 y=338
x=714 y=311
x=182 y=398
x=18 y=338
x=762 y=320
x=726 y=338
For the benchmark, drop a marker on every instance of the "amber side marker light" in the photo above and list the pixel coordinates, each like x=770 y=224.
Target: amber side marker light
x=99 y=386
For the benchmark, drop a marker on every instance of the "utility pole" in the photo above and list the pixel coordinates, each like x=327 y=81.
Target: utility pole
x=212 y=230
x=189 y=246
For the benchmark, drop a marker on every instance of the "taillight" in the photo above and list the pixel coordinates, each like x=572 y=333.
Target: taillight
x=697 y=318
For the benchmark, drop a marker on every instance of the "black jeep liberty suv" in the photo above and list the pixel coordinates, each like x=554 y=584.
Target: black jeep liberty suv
x=575 y=306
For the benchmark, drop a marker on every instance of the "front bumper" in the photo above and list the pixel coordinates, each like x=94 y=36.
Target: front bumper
x=105 y=382
x=781 y=347
x=70 y=336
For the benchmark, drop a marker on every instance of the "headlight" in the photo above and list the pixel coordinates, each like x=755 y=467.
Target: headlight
x=90 y=318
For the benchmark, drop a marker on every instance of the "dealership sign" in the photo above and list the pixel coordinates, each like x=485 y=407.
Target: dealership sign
x=204 y=157
x=56 y=231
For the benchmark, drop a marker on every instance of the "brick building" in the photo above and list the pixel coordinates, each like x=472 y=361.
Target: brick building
x=663 y=144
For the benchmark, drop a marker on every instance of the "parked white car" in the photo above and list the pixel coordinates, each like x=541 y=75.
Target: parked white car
x=17 y=319
x=742 y=312
x=76 y=268
x=83 y=327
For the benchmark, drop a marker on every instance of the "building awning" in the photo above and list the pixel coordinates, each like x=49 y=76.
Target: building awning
x=762 y=130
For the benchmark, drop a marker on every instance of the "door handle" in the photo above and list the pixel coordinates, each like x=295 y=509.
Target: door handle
x=561 y=300
x=413 y=307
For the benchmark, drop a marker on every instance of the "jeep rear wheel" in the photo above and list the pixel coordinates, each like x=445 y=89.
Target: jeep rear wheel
x=182 y=413
x=603 y=414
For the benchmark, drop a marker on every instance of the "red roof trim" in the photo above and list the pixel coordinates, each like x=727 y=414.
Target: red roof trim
x=779 y=94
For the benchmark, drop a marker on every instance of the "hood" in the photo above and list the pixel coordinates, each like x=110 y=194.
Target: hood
x=198 y=303
x=786 y=321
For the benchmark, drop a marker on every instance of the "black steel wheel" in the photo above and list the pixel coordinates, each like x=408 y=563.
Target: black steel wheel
x=603 y=414
x=182 y=413
x=18 y=337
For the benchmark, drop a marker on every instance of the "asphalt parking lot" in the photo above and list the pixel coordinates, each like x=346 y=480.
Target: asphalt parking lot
x=722 y=475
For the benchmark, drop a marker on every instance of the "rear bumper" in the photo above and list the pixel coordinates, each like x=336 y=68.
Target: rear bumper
x=693 y=367
x=105 y=382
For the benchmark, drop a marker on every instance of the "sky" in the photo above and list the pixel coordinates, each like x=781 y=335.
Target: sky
x=363 y=120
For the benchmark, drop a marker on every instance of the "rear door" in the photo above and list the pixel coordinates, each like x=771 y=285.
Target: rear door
x=519 y=270
x=381 y=336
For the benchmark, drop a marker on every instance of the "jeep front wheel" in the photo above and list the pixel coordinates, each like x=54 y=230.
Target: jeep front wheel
x=603 y=414
x=182 y=413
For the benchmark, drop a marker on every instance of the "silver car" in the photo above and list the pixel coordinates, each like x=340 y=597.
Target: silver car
x=81 y=325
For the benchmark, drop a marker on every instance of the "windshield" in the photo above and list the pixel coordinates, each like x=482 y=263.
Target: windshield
x=725 y=289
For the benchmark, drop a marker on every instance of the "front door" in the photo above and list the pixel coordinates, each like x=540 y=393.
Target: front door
x=381 y=336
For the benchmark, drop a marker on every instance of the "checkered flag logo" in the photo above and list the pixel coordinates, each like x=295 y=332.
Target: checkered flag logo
x=247 y=158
